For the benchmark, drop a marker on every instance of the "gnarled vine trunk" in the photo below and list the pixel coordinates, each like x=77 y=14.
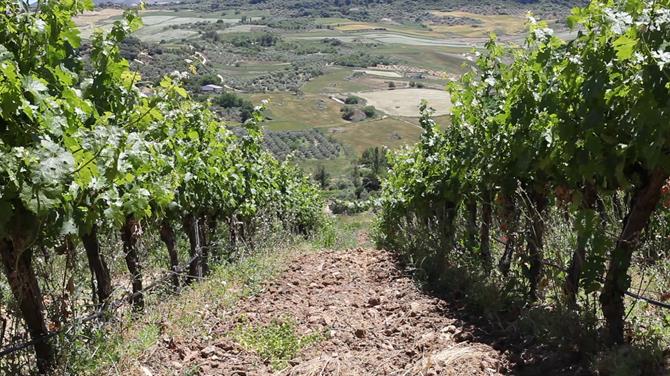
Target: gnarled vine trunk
x=168 y=237
x=642 y=204
x=207 y=225
x=232 y=232
x=130 y=233
x=191 y=228
x=471 y=224
x=97 y=265
x=571 y=286
x=17 y=262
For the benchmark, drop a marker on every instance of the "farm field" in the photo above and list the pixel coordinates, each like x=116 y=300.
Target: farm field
x=387 y=132
x=427 y=53
x=405 y=102
x=289 y=112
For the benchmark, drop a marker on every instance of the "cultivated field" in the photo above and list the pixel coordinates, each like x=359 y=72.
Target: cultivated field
x=289 y=112
x=389 y=132
x=380 y=73
x=405 y=102
x=477 y=25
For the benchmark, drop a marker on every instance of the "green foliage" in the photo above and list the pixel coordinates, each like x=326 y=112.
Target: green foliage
x=352 y=99
x=253 y=40
x=363 y=59
x=276 y=343
x=348 y=112
x=321 y=176
x=82 y=146
x=553 y=126
x=309 y=144
x=370 y=111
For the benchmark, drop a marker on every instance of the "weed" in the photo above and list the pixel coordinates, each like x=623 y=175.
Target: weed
x=276 y=343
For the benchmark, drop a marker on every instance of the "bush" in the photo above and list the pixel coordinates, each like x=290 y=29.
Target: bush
x=352 y=99
x=347 y=112
x=370 y=111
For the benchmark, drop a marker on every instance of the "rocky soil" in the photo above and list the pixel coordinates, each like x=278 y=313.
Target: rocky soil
x=374 y=319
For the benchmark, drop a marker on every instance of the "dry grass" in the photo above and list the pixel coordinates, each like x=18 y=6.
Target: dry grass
x=405 y=102
x=94 y=17
x=381 y=73
x=500 y=24
x=292 y=112
x=389 y=132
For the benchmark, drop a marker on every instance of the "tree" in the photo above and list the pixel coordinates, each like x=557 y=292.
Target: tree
x=321 y=176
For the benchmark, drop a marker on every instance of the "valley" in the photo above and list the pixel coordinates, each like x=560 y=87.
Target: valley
x=304 y=65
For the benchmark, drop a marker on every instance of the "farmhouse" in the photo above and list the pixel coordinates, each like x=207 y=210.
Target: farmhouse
x=211 y=88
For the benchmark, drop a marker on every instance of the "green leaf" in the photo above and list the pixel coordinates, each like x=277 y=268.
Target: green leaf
x=624 y=47
x=181 y=91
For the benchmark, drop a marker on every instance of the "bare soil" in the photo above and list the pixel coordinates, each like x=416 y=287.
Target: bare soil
x=376 y=320
x=406 y=102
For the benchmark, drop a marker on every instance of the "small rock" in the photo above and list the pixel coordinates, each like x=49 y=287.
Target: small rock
x=449 y=329
x=225 y=345
x=463 y=336
x=414 y=309
x=374 y=301
x=360 y=333
x=177 y=365
x=207 y=351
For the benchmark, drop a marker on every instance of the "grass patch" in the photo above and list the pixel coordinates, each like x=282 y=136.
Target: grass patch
x=290 y=112
x=390 y=132
x=276 y=343
x=334 y=81
x=125 y=346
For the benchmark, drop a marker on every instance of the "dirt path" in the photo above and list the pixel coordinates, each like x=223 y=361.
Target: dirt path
x=377 y=323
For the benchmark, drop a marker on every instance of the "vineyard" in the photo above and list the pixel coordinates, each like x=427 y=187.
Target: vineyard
x=133 y=221
x=551 y=186
x=98 y=166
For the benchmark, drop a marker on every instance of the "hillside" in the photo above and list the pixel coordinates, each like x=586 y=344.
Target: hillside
x=335 y=188
x=395 y=9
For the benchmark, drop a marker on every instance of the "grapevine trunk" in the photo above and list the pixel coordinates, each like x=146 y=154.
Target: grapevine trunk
x=97 y=264
x=129 y=234
x=17 y=262
x=617 y=281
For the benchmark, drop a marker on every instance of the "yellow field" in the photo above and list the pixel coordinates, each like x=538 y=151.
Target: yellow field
x=94 y=17
x=355 y=27
x=500 y=24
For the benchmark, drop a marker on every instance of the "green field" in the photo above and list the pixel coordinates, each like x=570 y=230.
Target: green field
x=335 y=80
x=389 y=132
x=289 y=112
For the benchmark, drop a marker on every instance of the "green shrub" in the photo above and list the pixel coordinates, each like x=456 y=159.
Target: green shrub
x=370 y=111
